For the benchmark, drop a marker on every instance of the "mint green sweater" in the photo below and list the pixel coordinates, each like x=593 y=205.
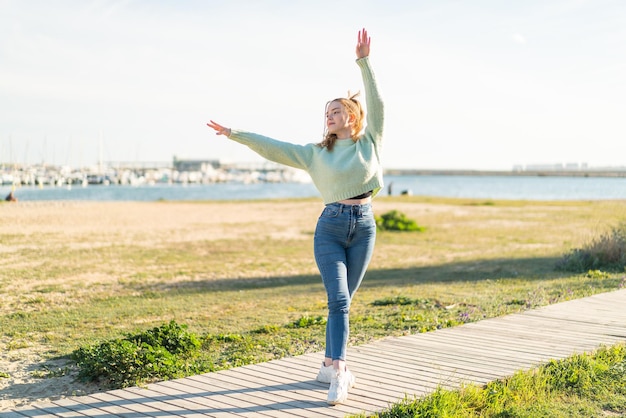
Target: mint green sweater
x=351 y=168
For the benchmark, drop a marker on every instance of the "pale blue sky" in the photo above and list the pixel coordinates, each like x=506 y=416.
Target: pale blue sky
x=467 y=84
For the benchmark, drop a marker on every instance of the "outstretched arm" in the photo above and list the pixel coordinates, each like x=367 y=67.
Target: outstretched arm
x=281 y=152
x=362 y=44
x=374 y=103
x=219 y=129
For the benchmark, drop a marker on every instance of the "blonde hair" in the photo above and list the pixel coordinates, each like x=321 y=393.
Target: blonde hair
x=354 y=108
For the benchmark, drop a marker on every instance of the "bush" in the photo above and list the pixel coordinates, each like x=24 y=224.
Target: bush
x=160 y=353
x=308 y=321
x=396 y=221
x=173 y=337
x=607 y=252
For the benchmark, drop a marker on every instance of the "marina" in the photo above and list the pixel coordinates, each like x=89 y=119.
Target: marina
x=215 y=180
x=148 y=173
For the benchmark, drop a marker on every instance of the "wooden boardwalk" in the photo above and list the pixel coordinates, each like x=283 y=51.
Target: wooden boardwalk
x=386 y=370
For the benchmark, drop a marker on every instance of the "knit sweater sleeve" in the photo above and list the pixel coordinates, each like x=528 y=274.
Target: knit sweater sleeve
x=293 y=155
x=375 y=108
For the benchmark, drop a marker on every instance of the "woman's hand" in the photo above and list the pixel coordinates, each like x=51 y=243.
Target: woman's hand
x=219 y=129
x=362 y=44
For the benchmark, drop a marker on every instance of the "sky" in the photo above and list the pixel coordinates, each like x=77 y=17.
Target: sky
x=484 y=84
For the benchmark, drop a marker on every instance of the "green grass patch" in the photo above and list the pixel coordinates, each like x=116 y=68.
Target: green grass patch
x=584 y=385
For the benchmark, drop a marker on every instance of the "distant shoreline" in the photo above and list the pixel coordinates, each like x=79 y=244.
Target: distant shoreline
x=526 y=173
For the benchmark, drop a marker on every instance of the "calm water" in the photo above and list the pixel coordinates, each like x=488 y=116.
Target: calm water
x=478 y=187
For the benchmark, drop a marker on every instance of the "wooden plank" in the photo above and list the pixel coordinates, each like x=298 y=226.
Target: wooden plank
x=204 y=396
x=542 y=325
x=180 y=389
x=426 y=369
x=588 y=318
x=364 y=389
x=419 y=349
x=303 y=387
x=378 y=364
x=582 y=313
x=274 y=403
x=448 y=369
x=487 y=362
x=478 y=343
x=401 y=374
x=585 y=323
x=577 y=317
x=601 y=311
x=544 y=337
x=238 y=386
x=17 y=414
x=522 y=346
x=142 y=403
x=167 y=404
x=365 y=402
x=321 y=393
x=83 y=406
x=100 y=400
x=34 y=411
x=439 y=357
x=488 y=358
x=487 y=342
x=118 y=402
x=387 y=386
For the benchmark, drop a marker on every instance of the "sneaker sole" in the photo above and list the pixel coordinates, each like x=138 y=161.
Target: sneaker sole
x=337 y=402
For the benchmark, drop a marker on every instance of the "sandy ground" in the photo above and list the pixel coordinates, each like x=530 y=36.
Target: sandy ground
x=26 y=383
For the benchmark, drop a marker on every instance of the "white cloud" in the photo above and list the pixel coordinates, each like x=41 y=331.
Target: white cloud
x=519 y=38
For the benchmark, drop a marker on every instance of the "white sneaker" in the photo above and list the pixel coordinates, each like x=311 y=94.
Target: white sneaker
x=339 y=385
x=325 y=375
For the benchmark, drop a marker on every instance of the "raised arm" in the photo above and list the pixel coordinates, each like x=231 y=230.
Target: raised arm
x=373 y=101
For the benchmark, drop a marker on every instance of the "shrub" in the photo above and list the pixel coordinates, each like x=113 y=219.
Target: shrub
x=308 y=321
x=606 y=252
x=160 y=353
x=396 y=221
x=174 y=337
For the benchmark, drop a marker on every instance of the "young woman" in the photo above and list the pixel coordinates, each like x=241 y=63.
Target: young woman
x=346 y=169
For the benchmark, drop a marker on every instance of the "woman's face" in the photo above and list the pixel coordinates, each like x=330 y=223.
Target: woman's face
x=338 y=121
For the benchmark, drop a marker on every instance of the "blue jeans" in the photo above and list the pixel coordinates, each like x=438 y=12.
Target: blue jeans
x=343 y=245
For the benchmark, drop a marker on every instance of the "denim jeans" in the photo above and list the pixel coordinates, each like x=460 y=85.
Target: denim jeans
x=343 y=245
